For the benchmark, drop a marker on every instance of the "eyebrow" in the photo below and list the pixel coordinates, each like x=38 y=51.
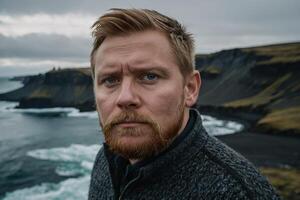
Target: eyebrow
x=135 y=71
x=105 y=74
x=159 y=69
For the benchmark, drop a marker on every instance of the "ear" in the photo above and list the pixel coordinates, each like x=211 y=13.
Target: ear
x=192 y=87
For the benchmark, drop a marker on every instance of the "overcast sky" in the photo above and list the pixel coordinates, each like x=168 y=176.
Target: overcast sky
x=36 y=35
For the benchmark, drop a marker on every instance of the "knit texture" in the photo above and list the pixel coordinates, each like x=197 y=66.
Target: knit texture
x=200 y=167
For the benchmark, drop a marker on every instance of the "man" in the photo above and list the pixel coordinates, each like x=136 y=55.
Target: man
x=155 y=147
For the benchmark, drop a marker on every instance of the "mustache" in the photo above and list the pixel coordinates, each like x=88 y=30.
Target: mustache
x=128 y=116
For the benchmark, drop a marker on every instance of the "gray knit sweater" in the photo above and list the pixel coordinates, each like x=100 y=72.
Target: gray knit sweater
x=199 y=167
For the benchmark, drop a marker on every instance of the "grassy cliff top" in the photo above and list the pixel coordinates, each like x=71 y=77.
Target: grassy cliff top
x=276 y=50
x=84 y=70
x=285 y=181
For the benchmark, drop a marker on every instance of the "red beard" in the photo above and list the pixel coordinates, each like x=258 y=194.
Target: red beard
x=137 y=143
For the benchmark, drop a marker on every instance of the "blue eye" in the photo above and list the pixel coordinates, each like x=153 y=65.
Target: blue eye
x=150 y=77
x=110 y=81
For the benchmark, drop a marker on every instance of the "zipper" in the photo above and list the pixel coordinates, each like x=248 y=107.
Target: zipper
x=130 y=183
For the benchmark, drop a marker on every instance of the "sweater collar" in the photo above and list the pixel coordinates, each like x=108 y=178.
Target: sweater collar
x=182 y=150
x=173 y=145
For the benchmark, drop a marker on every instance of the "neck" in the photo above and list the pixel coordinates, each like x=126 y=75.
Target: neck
x=186 y=116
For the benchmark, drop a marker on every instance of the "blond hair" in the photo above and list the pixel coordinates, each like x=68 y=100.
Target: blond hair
x=123 y=21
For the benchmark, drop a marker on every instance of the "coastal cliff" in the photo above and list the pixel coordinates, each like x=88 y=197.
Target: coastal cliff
x=260 y=84
x=56 y=88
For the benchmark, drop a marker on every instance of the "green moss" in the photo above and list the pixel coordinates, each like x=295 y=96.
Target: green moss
x=80 y=90
x=41 y=93
x=86 y=70
x=285 y=181
x=45 y=92
x=292 y=49
x=213 y=69
x=296 y=88
x=282 y=119
x=262 y=98
x=283 y=60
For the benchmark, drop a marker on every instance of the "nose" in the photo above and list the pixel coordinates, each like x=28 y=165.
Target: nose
x=128 y=98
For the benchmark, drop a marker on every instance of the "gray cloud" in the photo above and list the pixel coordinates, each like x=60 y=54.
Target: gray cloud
x=44 y=46
x=45 y=6
x=236 y=10
x=216 y=24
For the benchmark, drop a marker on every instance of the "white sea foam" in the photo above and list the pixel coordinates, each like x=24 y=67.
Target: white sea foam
x=43 y=110
x=74 y=153
x=76 y=159
x=64 y=111
x=7 y=105
x=76 y=113
x=216 y=127
x=70 y=189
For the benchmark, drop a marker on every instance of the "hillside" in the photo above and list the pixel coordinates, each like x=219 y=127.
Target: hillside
x=263 y=81
x=259 y=84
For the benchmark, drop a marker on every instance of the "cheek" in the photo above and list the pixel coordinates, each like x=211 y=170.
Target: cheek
x=165 y=102
x=104 y=106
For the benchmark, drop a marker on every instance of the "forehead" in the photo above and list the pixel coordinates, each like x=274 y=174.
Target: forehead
x=146 y=46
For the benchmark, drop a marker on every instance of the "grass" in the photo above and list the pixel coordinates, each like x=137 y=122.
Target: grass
x=279 y=54
x=212 y=70
x=285 y=181
x=84 y=70
x=292 y=49
x=282 y=119
x=262 y=98
x=80 y=90
x=283 y=60
x=42 y=92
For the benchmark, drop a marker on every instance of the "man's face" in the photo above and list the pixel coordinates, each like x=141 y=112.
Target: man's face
x=140 y=93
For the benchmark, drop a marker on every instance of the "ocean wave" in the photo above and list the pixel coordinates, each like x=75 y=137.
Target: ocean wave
x=70 y=189
x=43 y=110
x=75 y=159
x=7 y=105
x=76 y=113
x=73 y=153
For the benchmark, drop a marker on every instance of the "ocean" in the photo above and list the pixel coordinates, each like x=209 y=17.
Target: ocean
x=48 y=154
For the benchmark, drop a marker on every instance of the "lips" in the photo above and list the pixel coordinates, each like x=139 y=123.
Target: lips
x=129 y=123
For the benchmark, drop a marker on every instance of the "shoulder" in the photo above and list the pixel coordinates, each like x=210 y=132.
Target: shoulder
x=100 y=157
x=100 y=165
x=100 y=184
x=236 y=171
